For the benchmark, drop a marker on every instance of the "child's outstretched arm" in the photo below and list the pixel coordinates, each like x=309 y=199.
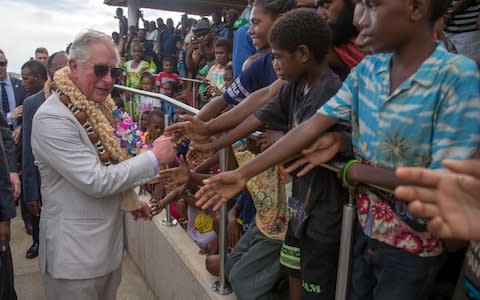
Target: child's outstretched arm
x=248 y=106
x=218 y=189
x=212 y=109
x=248 y=126
x=451 y=200
x=196 y=129
x=175 y=177
x=321 y=151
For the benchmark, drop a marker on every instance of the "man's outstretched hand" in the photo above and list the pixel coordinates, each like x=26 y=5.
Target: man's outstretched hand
x=144 y=212
x=219 y=189
x=165 y=150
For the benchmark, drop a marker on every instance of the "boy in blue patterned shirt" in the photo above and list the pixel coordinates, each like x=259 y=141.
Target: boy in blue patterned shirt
x=412 y=104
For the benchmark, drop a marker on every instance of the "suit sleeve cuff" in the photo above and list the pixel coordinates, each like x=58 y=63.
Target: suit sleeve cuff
x=9 y=118
x=154 y=162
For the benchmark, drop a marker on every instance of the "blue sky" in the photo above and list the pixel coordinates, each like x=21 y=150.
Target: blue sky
x=29 y=24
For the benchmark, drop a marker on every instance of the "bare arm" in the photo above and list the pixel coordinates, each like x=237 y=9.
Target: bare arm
x=248 y=106
x=248 y=126
x=197 y=178
x=212 y=109
x=218 y=189
x=290 y=145
x=371 y=175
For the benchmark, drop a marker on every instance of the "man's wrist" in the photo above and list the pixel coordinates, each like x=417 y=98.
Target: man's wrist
x=154 y=158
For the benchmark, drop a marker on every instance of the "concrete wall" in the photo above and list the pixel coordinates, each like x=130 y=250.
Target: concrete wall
x=169 y=260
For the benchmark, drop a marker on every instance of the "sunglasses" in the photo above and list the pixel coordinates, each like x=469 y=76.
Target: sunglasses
x=102 y=70
x=3 y=63
x=202 y=33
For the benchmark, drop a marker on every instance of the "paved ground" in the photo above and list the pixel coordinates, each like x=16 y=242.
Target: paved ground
x=27 y=276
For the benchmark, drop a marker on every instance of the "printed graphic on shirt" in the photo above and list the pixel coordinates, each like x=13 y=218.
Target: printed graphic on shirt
x=472 y=270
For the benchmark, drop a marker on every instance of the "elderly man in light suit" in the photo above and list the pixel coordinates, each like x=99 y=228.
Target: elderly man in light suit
x=81 y=228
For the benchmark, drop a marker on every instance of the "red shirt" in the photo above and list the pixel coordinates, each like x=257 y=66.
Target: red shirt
x=164 y=77
x=349 y=53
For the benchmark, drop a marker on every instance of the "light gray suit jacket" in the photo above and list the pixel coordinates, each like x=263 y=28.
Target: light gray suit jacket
x=81 y=228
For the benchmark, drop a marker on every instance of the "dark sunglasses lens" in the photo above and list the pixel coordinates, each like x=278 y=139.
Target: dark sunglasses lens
x=3 y=63
x=100 y=70
x=116 y=72
x=201 y=33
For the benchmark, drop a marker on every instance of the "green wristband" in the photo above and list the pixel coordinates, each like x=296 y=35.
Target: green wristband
x=345 y=172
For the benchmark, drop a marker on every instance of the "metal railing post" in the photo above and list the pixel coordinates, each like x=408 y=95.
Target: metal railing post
x=221 y=286
x=169 y=221
x=346 y=241
x=194 y=92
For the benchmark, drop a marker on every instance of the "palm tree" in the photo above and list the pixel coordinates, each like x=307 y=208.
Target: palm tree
x=395 y=148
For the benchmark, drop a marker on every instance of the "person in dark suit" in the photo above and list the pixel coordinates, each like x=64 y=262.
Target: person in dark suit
x=12 y=94
x=31 y=176
x=12 y=107
x=34 y=75
x=7 y=208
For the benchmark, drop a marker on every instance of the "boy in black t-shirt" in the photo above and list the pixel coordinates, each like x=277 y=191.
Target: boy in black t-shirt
x=317 y=198
x=300 y=42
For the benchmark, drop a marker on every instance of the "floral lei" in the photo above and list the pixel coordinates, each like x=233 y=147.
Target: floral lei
x=101 y=118
x=99 y=114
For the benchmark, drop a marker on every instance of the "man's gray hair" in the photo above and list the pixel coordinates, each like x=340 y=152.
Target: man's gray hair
x=80 y=50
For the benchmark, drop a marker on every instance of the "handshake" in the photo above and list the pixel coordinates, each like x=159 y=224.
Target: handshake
x=165 y=150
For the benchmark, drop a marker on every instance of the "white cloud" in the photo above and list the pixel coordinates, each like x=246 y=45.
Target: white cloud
x=30 y=24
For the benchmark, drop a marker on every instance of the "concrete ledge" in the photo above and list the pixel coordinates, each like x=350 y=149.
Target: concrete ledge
x=169 y=260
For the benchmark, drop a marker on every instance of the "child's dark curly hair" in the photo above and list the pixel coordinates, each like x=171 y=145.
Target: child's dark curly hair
x=224 y=43
x=275 y=7
x=146 y=75
x=438 y=8
x=301 y=27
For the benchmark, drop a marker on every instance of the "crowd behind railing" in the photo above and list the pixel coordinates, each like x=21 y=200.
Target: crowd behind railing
x=307 y=127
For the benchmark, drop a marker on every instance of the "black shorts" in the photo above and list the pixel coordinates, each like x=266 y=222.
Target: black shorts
x=314 y=262
x=290 y=255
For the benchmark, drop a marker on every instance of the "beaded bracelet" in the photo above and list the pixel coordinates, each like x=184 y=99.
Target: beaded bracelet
x=345 y=172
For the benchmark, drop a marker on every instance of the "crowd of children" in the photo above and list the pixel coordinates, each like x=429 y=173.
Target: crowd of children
x=390 y=87
x=408 y=103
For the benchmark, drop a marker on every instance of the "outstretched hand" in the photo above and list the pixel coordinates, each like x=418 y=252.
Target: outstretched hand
x=268 y=138
x=191 y=127
x=322 y=150
x=199 y=152
x=219 y=189
x=451 y=200
x=164 y=150
x=175 y=177
x=142 y=213
x=159 y=204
